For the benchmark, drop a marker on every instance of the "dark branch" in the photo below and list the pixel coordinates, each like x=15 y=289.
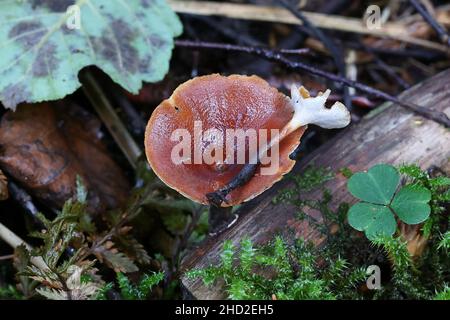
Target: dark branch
x=236 y=48
x=386 y=68
x=217 y=197
x=276 y=56
x=25 y=201
x=442 y=33
x=136 y=123
x=335 y=52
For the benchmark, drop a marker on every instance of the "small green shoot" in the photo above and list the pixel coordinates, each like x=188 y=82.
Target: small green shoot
x=443 y=295
x=141 y=291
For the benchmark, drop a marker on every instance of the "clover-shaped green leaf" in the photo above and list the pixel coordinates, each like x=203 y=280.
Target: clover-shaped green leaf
x=411 y=204
x=375 y=214
x=375 y=220
x=377 y=185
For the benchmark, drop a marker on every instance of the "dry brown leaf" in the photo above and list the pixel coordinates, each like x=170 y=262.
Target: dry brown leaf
x=45 y=147
x=114 y=259
x=77 y=289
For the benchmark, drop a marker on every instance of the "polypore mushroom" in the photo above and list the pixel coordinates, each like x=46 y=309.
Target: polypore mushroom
x=219 y=104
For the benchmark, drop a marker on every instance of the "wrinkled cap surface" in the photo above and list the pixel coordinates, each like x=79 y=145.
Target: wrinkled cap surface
x=233 y=102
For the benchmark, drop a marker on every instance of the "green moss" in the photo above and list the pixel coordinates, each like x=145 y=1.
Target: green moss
x=337 y=270
x=311 y=178
x=294 y=272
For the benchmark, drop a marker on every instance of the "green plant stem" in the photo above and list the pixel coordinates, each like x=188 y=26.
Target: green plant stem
x=105 y=110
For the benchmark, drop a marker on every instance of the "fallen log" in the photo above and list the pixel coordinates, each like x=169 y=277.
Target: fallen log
x=389 y=134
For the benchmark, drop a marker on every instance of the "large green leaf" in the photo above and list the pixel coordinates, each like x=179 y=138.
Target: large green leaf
x=375 y=220
x=377 y=185
x=40 y=56
x=411 y=204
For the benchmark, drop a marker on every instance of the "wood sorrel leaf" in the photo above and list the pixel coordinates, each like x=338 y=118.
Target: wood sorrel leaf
x=411 y=204
x=43 y=48
x=374 y=220
x=377 y=185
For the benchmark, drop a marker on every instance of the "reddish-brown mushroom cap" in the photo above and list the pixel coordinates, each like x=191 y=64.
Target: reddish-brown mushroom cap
x=234 y=102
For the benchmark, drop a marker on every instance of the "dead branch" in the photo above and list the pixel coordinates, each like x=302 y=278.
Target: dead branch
x=115 y=126
x=443 y=35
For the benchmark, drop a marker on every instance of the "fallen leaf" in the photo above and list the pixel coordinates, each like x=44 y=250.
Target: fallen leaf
x=77 y=289
x=45 y=147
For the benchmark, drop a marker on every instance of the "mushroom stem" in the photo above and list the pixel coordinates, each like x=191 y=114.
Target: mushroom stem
x=307 y=110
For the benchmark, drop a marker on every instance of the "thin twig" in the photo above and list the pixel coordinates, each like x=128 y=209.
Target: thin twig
x=272 y=55
x=15 y=241
x=418 y=53
x=136 y=123
x=108 y=115
x=388 y=69
x=326 y=41
x=7 y=257
x=442 y=33
x=217 y=197
x=392 y=30
x=225 y=28
x=232 y=47
x=25 y=201
x=301 y=51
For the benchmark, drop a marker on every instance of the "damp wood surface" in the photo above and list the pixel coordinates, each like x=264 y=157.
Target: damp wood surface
x=390 y=134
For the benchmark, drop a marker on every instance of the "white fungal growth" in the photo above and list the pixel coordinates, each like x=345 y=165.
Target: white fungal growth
x=309 y=110
x=312 y=110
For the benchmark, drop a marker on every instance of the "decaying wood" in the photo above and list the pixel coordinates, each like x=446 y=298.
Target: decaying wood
x=390 y=134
